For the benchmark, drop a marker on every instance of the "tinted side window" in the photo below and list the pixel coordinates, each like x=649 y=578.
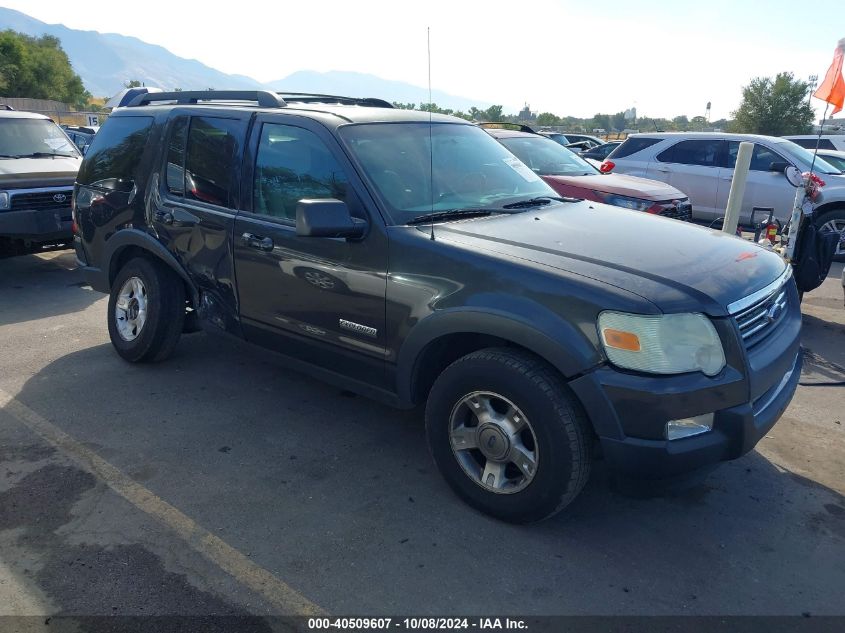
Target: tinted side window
x=632 y=146
x=761 y=157
x=693 y=152
x=211 y=157
x=293 y=164
x=115 y=152
x=175 y=169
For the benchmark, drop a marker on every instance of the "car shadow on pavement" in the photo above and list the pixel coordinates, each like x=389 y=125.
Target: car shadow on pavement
x=336 y=490
x=35 y=287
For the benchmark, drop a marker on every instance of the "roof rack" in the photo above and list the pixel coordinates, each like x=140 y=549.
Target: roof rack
x=504 y=125
x=264 y=98
x=307 y=97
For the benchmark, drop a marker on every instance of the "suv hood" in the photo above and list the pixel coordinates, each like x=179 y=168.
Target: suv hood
x=622 y=185
x=19 y=173
x=675 y=265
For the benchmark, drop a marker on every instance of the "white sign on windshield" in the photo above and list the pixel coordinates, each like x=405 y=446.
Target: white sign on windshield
x=520 y=168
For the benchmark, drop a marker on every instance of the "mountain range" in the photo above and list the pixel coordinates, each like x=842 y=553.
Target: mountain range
x=105 y=61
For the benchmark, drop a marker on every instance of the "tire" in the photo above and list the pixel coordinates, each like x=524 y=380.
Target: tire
x=834 y=220
x=161 y=296
x=509 y=385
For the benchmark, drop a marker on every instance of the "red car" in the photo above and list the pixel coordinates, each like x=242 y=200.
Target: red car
x=572 y=176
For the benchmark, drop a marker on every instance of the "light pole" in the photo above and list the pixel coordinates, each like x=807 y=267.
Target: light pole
x=812 y=80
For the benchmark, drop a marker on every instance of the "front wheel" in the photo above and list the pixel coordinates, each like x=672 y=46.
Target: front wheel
x=834 y=221
x=508 y=435
x=146 y=311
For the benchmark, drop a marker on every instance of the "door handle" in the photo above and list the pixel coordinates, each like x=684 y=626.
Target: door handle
x=165 y=217
x=256 y=241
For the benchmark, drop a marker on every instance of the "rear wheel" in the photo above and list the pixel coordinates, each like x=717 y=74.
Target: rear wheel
x=508 y=435
x=146 y=311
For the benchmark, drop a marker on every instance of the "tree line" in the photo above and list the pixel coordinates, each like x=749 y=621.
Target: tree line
x=38 y=68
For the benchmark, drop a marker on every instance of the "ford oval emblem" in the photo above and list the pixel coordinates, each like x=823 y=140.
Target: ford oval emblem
x=59 y=197
x=773 y=312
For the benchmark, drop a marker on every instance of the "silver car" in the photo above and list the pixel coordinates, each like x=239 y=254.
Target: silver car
x=702 y=165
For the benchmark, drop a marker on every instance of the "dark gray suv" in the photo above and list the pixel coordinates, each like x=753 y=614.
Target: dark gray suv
x=415 y=260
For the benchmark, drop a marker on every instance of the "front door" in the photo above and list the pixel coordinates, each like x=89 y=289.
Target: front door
x=764 y=189
x=319 y=299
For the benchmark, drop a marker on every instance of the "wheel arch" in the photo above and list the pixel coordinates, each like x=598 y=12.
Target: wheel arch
x=827 y=207
x=129 y=243
x=442 y=338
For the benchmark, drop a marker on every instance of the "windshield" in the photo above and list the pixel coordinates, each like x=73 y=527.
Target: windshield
x=804 y=158
x=548 y=158
x=24 y=137
x=466 y=169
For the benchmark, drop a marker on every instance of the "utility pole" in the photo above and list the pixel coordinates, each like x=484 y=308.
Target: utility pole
x=812 y=81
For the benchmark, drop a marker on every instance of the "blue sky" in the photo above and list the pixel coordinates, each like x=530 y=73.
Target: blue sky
x=665 y=58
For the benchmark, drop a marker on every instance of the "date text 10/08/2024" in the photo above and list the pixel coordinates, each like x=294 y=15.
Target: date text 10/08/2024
x=417 y=624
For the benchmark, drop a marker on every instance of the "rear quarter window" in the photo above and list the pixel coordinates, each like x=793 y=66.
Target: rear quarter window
x=115 y=152
x=632 y=146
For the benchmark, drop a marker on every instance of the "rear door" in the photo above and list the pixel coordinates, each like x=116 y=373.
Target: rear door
x=194 y=203
x=693 y=167
x=319 y=299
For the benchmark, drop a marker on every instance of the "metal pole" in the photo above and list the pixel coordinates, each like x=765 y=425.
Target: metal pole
x=743 y=162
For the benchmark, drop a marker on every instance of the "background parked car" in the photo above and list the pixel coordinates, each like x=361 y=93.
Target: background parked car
x=810 y=141
x=38 y=164
x=568 y=138
x=602 y=151
x=835 y=158
x=81 y=136
x=572 y=176
x=702 y=165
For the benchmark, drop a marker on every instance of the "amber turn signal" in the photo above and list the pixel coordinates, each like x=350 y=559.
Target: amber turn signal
x=621 y=340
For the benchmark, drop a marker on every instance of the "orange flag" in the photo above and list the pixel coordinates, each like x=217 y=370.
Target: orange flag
x=832 y=89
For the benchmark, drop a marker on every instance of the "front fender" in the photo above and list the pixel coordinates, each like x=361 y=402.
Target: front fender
x=566 y=347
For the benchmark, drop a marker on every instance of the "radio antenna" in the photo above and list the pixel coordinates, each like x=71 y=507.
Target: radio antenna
x=430 y=143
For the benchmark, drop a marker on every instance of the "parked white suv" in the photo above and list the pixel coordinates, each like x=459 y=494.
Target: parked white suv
x=701 y=165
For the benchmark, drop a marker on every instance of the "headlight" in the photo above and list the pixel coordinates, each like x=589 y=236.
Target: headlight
x=625 y=201
x=665 y=344
x=4 y=199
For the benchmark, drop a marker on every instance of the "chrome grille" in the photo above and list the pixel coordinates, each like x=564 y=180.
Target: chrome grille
x=680 y=212
x=41 y=200
x=759 y=319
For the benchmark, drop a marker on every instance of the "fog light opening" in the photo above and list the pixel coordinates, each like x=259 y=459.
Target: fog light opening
x=687 y=427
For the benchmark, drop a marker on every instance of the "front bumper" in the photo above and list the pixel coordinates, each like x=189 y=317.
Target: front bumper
x=37 y=225
x=629 y=410
x=736 y=430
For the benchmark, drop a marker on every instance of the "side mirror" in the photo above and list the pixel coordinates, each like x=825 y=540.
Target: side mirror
x=327 y=218
x=84 y=150
x=793 y=175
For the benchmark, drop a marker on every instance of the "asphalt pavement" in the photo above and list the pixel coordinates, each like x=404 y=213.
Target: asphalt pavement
x=220 y=482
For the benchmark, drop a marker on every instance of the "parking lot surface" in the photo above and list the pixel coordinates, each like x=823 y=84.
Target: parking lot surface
x=220 y=482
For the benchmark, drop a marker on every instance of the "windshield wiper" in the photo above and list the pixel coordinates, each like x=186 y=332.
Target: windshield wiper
x=41 y=155
x=533 y=202
x=451 y=214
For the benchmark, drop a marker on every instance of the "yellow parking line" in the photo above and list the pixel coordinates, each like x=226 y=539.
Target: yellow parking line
x=283 y=597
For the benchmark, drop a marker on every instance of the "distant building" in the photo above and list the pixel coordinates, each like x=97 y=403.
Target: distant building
x=525 y=114
x=832 y=126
